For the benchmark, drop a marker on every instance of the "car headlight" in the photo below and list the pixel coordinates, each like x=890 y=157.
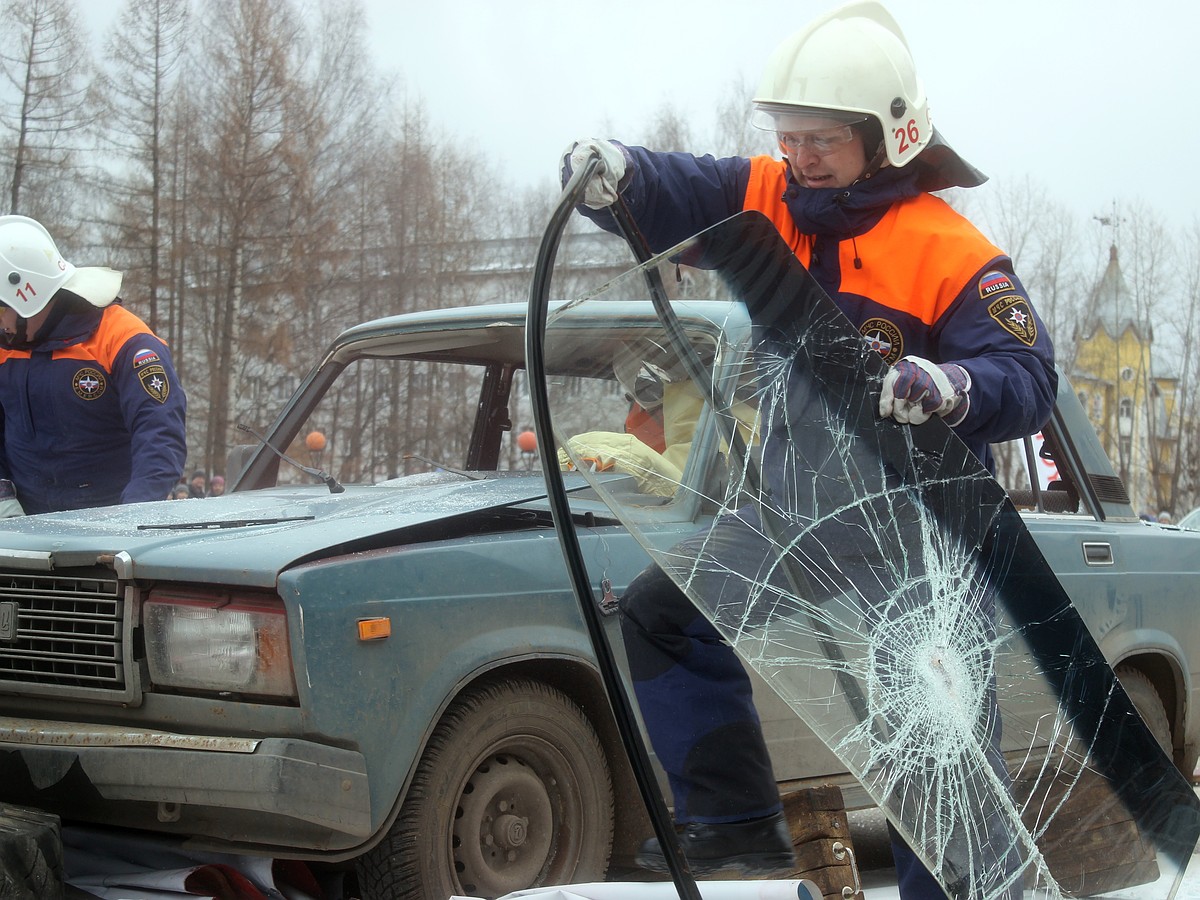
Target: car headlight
x=235 y=643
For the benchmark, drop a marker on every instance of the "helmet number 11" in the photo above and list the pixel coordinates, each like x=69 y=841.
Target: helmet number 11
x=21 y=293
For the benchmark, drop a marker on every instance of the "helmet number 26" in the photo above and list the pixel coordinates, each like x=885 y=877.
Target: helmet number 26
x=907 y=137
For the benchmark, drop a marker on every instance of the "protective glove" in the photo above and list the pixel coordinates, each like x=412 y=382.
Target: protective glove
x=915 y=389
x=10 y=506
x=608 y=451
x=602 y=189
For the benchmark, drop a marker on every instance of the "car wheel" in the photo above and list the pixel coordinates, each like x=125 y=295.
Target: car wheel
x=513 y=791
x=1149 y=705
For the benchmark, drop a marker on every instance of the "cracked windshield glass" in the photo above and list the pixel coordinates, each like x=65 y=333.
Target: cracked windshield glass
x=875 y=576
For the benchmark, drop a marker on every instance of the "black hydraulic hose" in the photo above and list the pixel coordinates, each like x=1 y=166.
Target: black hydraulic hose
x=692 y=364
x=560 y=510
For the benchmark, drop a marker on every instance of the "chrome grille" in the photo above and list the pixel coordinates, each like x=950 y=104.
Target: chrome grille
x=68 y=635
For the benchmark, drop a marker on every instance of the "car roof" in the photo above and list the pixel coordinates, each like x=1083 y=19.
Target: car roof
x=496 y=332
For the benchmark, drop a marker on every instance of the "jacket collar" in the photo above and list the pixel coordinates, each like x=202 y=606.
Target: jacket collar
x=850 y=211
x=72 y=321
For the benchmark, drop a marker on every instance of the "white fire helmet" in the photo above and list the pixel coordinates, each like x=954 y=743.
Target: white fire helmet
x=642 y=380
x=847 y=65
x=32 y=270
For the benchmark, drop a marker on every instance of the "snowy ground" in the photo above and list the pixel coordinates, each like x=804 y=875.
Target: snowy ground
x=880 y=883
x=119 y=869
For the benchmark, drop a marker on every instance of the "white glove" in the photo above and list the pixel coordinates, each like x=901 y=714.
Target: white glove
x=10 y=506
x=915 y=389
x=607 y=451
x=602 y=189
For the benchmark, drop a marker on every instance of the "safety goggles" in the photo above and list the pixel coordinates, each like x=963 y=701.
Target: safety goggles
x=821 y=143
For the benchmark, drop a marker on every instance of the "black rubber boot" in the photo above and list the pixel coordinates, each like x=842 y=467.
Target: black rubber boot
x=755 y=847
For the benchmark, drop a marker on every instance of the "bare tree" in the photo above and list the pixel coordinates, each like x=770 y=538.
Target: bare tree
x=335 y=159
x=179 y=163
x=433 y=202
x=1150 y=273
x=139 y=85
x=735 y=135
x=48 y=70
x=251 y=56
x=1042 y=238
x=1185 y=328
x=669 y=131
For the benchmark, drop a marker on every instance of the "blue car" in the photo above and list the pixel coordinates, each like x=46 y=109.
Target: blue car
x=368 y=654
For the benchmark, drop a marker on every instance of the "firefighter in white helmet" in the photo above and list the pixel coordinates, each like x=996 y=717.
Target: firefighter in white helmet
x=851 y=192
x=91 y=410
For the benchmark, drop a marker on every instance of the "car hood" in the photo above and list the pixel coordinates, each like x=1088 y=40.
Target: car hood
x=248 y=538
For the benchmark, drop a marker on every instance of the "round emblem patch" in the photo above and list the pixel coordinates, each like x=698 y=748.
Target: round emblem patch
x=89 y=383
x=884 y=338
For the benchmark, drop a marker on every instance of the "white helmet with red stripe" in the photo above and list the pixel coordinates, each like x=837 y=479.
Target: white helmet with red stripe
x=32 y=270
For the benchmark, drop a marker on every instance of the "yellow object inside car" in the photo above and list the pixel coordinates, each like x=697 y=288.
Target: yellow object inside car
x=656 y=473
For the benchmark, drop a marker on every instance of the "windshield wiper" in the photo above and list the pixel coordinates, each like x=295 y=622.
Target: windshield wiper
x=225 y=523
x=330 y=481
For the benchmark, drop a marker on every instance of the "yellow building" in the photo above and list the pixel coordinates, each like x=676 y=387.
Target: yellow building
x=1131 y=406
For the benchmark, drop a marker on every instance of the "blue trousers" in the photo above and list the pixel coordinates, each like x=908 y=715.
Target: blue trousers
x=698 y=708
x=696 y=701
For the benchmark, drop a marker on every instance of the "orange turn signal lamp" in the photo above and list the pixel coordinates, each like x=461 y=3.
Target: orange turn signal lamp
x=374 y=629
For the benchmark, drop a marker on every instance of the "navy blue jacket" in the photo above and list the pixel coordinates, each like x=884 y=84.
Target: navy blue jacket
x=91 y=414
x=911 y=274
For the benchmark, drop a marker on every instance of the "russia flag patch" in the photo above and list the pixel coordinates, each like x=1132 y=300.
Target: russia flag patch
x=993 y=283
x=144 y=356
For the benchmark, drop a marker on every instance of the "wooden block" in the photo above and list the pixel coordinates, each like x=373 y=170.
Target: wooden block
x=825 y=797
x=817 y=825
x=1105 y=880
x=821 y=836
x=816 y=813
x=1091 y=799
x=1093 y=844
x=820 y=854
x=1110 y=845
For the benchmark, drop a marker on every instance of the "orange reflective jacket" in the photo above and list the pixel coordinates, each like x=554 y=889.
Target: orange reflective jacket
x=943 y=252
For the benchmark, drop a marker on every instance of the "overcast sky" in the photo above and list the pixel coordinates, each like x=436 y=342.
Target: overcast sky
x=1097 y=99
x=1094 y=100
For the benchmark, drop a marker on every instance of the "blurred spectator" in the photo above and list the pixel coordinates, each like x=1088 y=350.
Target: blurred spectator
x=198 y=484
x=216 y=487
x=1164 y=518
x=180 y=492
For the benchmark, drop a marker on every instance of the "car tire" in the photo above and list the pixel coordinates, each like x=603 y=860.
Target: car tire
x=513 y=791
x=1149 y=705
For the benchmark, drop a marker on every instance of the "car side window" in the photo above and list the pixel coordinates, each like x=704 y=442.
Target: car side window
x=1029 y=472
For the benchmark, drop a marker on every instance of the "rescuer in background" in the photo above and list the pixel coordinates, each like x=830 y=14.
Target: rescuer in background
x=91 y=410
